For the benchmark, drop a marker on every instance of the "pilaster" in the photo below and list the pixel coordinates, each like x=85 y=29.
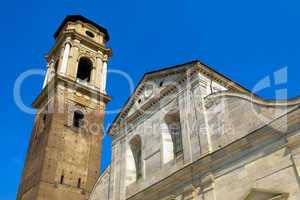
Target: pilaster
x=104 y=74
x=65 y=57
x=99 y=67
x=184 y=103
x=73 y=60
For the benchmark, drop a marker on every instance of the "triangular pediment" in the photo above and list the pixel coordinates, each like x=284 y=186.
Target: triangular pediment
x=152 y=88
x=159 y=83
x=154 y=85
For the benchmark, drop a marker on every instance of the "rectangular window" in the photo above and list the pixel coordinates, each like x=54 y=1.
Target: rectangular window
x=178 y=148
x=44 y=121
x=78 y=119
x=79 y=183
x=62 y=179
x=139 y=164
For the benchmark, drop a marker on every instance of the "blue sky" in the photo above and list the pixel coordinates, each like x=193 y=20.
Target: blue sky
x=245 y=40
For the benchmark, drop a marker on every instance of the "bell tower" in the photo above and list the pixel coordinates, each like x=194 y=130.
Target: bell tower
x=64 y=153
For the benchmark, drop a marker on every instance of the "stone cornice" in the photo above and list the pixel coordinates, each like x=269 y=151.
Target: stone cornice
x=219 y=78
x=251 y=98
x=149 y=108
x=139 y=116
x=145 y=107
x=59 y=79
x=148 y=111
x=76 y=36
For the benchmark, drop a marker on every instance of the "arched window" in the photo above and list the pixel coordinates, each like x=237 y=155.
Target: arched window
x=136 y=148
x=84 y=69
x=173 y=122
x=78 y=118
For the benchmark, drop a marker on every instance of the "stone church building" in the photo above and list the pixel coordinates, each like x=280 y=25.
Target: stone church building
x=186 y=133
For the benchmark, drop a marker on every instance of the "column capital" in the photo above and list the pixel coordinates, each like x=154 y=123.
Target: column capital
x=99 y=55
x=51 y=62
x=75 y=43
x=105 y=58
x=68 y=41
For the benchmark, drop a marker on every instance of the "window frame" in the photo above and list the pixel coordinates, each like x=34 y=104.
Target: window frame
x=136 y=149
x=78 y=117
x=173 y=122
x=81 y=69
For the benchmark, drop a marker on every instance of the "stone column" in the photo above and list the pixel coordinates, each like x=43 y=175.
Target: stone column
x=47 y=76
x=73 y=60
x=204 y=134
x=93 y=76
x=52 y=70
x=195 y=120
x=116 y=167
x=104 y=75
x=111 y=186
x=64 y=63
x=123 y=172
x=183 y=101
x=99 y=65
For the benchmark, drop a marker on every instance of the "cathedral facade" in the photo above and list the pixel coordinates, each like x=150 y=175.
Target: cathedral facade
x=186 y=133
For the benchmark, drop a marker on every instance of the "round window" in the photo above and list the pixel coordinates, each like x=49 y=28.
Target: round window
x=90 y=34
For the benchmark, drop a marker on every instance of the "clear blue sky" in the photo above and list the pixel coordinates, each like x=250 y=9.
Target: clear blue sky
x=245 y=40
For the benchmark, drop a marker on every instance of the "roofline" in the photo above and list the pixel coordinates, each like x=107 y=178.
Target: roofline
x=171 y=67
x=74 y=18
x=229 y=79
x=205 y=65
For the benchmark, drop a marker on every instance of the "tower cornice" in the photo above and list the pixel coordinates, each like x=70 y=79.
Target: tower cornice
x=81 y=19
x=76 y=36
x=77 y=87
